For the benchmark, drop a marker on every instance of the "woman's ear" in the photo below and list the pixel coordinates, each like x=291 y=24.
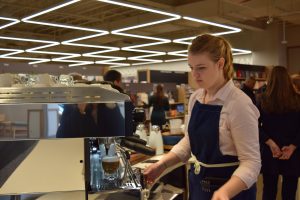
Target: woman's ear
x=221 y=63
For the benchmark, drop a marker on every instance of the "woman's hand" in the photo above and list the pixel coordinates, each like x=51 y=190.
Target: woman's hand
x=220 y=195
x=287 y=152
x=152 y=172
x=276 y=151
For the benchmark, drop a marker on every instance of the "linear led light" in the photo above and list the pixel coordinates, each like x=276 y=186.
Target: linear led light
x=50 y=9
x=142 y=59
x=146 y=24
x=4 y=49
x=24 y=58
x=53 y=53
x=146 y=45
x=14 y=51
x=43 y=46
x=140 y=8
x=145 y=63
x=224 y=33
x=231 y=28
x=28 y=40
x=60 y=60
x=146 y=56
x=13 y=21
x=240 y=51
x=182 y=40
x=39 y=61
x=65 y=26
x=112 y=58
x=139 y=36
x=178 y=53
x=66 y=57
x=212 y=23
x=87 y=37
x=112 y=63
x=82 y=63
x=176 y=60
x=141 y=50
x=119 y=65
x=92 y=46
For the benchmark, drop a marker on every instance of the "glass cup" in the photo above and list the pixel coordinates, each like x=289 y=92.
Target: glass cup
x=110 y=165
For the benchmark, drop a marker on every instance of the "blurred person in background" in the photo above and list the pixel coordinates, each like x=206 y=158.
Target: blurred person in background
x=296 y=82
x=248 y=88
x=280 y=135
x=115 y=78
x=160 y=104
x=222 y=131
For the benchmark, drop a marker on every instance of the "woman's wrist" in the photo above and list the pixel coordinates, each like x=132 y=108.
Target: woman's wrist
x=270 y=142
x=164 y=165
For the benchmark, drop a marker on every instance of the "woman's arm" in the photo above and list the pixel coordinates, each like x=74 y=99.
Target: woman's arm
x=152 y=172
x=243 y=125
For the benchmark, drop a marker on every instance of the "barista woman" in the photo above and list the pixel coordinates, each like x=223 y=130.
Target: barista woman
x=222 y=132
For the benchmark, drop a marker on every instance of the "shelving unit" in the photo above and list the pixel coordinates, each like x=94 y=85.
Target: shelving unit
x=243 y=71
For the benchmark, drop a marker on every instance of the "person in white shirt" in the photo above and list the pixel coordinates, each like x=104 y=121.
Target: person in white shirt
x=222 y=131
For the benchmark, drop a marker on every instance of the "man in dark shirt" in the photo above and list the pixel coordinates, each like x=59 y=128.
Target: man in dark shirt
x=248 y=87
x=115 y=78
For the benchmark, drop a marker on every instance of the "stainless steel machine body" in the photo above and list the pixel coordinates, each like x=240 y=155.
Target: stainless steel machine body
x=39 y=162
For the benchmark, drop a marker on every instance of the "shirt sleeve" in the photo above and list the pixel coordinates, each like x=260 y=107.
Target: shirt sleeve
x=244 y=130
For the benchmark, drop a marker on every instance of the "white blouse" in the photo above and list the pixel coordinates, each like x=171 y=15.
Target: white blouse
x=238 y=130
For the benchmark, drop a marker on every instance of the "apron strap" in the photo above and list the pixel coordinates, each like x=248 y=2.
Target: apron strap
x=198 y=164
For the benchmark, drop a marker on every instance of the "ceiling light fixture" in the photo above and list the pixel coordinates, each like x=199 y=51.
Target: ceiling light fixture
x=13 y=21
x=65 y=26
x=236 y=52
x=146 y=24
x=81 y=63
x=178 y=53
x=213 y=24
x=50 y=9
x=146 y=63
x=28 y=40
x=86 y=37
x=139 y=8
x=176 y=60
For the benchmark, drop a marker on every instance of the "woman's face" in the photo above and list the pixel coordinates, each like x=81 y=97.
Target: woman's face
x=206 y=73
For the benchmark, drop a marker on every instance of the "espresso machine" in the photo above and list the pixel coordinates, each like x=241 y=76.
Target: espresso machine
x=50 y=158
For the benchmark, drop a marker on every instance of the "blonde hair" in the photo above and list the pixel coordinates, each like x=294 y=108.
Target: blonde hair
x=216 y=47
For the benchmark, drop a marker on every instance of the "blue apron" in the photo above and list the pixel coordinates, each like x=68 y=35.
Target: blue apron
x=203 y=132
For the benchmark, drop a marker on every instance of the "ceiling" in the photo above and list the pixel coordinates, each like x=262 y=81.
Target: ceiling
x=87 y=33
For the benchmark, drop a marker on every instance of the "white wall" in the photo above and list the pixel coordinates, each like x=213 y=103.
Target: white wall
x=293 y=53
x=18 y=113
